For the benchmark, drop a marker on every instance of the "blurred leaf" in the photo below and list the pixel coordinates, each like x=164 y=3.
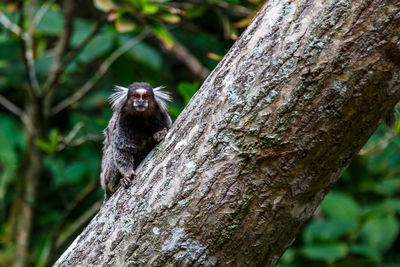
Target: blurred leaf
x=101 y=44
x=388 y=186
x=149 y=9
x=42 y=64
x=143 y=53
x=170 y=18
x=11 y=140
x=9 y=48
x=11 y=7
x=243 y=23
x=162 y=34
x=50 y=146
x=325 y=252
x=43 y=249
x=214 y=56
x=187 y=90
x=366 y=251
x=104 y=5
x=56 y=166
x=327 y=230
x=43 y=145
x=379 y=233
x=195 y=11
x=397 y=126
x=389 y=158
x=51 y=23
x=174 y=110
x=288 y=256
x=82 y=29
x=11 y=68
x=388 y=206
x=340 y=206
x=76 y=171
x=124 y=25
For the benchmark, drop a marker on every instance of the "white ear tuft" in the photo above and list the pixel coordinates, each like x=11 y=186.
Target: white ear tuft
x=117 y=99
x=162 y=97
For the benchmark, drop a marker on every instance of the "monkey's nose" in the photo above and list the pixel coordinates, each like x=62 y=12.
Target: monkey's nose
x=140 y=106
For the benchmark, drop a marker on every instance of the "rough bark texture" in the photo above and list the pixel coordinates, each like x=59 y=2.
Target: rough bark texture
x=260 y=144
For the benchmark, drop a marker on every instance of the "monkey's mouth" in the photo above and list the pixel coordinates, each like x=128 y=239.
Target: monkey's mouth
x=140 y=107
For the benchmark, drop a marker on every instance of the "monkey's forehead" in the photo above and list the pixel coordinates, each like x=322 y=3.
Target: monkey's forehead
x=140 y=85
x=141 y=91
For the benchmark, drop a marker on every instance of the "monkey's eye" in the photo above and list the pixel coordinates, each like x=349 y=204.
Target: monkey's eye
x=135 y=95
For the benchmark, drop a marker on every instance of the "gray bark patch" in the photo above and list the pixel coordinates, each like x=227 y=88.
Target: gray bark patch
x=187 y=250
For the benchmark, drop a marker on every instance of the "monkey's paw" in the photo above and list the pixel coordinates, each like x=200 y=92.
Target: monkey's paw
x=160 y=135
x=126 y=181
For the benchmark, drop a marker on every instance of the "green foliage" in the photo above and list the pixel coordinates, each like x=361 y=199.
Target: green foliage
x=187 y=90
x=338 y=205
x=328 y=252
x=51 y=24
x=12 y=143
x=358 y=222
x=380 y=232
x=162 y=34
x=327 y=230
x=100 y=45
x=142 y=52
x=49 y=146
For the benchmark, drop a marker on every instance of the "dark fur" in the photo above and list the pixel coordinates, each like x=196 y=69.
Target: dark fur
x=129 y=137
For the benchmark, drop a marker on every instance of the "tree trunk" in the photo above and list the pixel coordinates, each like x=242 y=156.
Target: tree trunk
x=260 y=144
x=29 y=174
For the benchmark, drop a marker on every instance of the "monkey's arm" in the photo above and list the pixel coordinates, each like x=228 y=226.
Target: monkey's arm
x=124 y=161
x=166 y=125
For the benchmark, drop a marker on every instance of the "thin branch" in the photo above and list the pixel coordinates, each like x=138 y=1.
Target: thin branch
x=378 y=146
x=100 y=72
x=83 y=139
x=9 y=25
x=27 y=47
x=182 y=54
x=74 y=52
x=56 y=68
x=69 y=139
x=73 y=132
x=238 y=9
x=62 y=44
x=30 y=63
x=39 y=15
x=71 y=56
x=28 y=56
x=10 y=106
x=16 y=111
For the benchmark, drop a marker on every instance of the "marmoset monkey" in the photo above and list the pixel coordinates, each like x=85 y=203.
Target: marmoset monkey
x=139 y=122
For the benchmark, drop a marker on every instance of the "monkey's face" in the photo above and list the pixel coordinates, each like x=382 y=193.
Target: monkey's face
x=140 y=99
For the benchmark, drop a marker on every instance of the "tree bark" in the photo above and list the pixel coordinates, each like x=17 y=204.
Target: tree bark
x=260 y=144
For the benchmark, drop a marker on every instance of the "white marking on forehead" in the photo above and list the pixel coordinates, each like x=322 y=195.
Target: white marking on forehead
x=141 y=91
